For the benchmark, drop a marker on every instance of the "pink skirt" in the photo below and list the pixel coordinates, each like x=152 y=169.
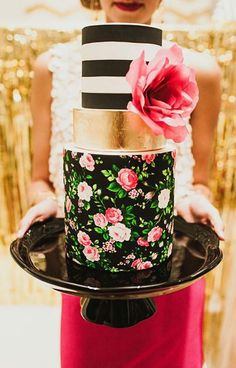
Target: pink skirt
x=172 y=338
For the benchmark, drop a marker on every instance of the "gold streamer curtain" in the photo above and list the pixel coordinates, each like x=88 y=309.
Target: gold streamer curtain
x=18 y=49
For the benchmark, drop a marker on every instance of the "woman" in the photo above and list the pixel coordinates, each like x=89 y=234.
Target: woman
x=173 y=337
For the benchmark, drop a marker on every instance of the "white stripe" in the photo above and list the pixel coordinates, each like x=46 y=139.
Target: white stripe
x=117 y=51
x=105 y=85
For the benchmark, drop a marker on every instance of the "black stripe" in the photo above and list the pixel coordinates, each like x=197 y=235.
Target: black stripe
x=106 y=68
x=114 y=101
x=121 y=33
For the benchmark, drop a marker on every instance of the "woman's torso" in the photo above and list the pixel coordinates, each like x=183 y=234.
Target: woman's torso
x=65 y=65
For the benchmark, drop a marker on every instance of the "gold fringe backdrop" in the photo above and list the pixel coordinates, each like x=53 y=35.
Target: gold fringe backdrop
x=18 y=49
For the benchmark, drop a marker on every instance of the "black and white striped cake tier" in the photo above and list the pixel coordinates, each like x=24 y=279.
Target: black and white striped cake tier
x=107 y=51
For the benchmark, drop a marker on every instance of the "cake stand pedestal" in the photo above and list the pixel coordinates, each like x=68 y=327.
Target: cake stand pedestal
x=116 y=299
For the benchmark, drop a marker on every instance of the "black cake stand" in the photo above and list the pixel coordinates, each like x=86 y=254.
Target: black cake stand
x=116 y=299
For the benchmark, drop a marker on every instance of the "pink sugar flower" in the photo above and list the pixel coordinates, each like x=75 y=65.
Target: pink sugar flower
x=164 y=92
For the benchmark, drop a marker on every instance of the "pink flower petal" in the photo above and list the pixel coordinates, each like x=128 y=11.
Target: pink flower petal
x=137 y=68
x=164 y=92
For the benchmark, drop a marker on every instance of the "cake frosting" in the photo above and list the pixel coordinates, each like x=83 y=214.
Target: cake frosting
x=119 y=208
x=118 y=175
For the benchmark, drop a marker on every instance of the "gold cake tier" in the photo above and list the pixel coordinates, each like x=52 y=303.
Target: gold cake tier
x=113 y=130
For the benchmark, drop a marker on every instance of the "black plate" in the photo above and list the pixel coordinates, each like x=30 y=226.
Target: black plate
x=42 y=254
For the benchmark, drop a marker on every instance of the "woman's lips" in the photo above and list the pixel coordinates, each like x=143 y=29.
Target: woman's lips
x=128 y=6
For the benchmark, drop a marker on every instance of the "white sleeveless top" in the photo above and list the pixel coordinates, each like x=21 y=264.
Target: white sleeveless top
x=65 y=65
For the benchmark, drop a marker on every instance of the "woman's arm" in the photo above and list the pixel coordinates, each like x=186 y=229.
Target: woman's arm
x=197 y=206
x=41 y=196
x=204 y=119
x=41 y=115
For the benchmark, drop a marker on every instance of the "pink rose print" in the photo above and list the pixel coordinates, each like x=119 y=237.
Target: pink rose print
x=144 y=265
x=130 y=256
x=72 y=224
x=87 y=161
x=163 y=198
x=68 y=204
x=109 y=247
x=133 y=194
x=113 y=215
x=119 y=232
x=164 y=92
x=80 y=203
x=84 y=191
x=142 y=242
x=127 y=178
x=140 y=191
x=136 y=262
x=91 y=253
x=140 y=265
x=100 y=220
x=155 y=234
x=148 y=158
x=149 y=195
x=83 y=238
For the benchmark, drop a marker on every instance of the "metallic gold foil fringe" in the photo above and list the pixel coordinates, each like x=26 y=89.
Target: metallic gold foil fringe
x=18 y=49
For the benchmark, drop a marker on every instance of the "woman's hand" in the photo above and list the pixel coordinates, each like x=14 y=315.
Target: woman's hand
x=197 y=208
x=39 y=212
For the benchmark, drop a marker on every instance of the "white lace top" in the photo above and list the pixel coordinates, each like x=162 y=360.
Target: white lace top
x=65 y=65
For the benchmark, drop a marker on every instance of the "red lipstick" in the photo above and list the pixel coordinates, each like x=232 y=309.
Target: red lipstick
x=129 y=7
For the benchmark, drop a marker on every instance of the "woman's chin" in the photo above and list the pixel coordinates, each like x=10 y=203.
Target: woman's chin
x=132 y=18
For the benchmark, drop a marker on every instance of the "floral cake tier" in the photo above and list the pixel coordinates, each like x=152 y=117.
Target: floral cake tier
x=119 y=209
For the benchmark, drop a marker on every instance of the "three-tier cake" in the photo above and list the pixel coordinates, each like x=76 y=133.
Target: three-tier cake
x=118 y=174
